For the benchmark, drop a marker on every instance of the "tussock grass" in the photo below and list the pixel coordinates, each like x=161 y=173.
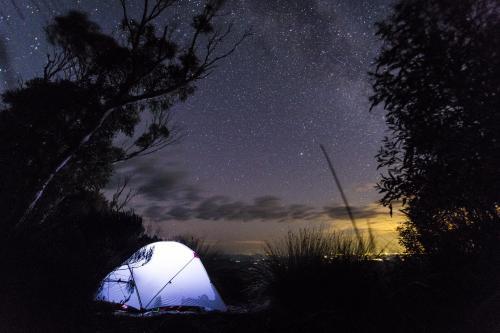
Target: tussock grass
x=314 y=268
x=316 y=244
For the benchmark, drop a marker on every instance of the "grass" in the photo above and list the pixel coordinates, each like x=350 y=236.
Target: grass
x=316 y=244
x=315 y=280
x=314 y=268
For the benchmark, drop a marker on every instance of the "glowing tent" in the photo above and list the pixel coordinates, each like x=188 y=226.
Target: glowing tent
x=161 y=275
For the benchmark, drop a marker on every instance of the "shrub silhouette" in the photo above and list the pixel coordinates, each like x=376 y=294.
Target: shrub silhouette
x=314 y=269
x=437 y=79
x=54 y=270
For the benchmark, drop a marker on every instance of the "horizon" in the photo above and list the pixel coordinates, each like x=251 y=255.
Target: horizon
x=251 y=132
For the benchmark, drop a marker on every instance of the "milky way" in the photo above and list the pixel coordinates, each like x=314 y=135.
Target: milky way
x=253 y=128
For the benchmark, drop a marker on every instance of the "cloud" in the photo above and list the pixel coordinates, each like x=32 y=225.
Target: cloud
x=180 y=213
x=154 y=182
x=359 y=212
x=165 y=194
x=302 y=212
x=265 y=208
x=160 y=185
x=188 y=204
x=365 y=188
x=154 y=212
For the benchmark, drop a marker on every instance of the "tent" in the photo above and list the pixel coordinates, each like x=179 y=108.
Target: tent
x=164 y=276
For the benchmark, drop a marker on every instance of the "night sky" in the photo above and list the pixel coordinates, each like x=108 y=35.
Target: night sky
x=249 y=166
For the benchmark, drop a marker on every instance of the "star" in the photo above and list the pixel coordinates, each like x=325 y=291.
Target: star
x=253 y=127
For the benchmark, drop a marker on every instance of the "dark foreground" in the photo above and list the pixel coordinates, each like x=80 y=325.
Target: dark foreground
x=266 y=321
x=396 y=295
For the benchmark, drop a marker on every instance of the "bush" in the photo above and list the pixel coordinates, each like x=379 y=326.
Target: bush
x=313 y=269
x=53 y=271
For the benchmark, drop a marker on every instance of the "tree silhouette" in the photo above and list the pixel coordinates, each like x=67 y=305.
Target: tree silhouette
x=60 y=236
x=57 y=130
x=438 y=77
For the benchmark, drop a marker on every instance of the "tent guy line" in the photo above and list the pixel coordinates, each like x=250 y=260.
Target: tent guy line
x=146 y=288
x=169 y=281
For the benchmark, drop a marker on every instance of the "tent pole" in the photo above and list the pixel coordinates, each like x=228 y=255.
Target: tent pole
x=135 y=285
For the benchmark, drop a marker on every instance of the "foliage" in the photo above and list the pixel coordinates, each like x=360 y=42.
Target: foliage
x=60 y=237
x=316 y=268
x=437 y=77
x=320 y=281
x=54 y=270
x=57 y=130
x=310 y=245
